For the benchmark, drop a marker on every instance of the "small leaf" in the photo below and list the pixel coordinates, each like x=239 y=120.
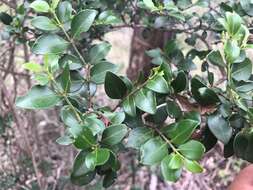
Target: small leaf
x=64 y=11
x=247 y=6
x=82 y=21
x=109 y=178
x=109 y=17
x=173 y=109
x=115 y=87
x=49 y=44
x=180 y=132
x=39 y=97
x=138 y=136
x=114 y=134
x=80 y=174
x=169 y=174
x=40 y=6
x=98 y=52
x=242 y=71
x=203 y=95
x=175 y=161
x=44 y=23
x=158 y=84
x=193 y=166
x=65 y=140
x=129 y=106
x=180 y=82
x=97 y=158
x=95 y=125
x=149 y=4
x=33 y=67
x=153 y=151
x=145 y=100
x=193 y=150
x=216 y=59
x=219 y=127
x=85 y=139
x=232 y=50
x=5 y=18
x=99 y=70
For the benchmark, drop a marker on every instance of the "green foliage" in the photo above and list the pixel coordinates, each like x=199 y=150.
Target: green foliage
x=66 y=35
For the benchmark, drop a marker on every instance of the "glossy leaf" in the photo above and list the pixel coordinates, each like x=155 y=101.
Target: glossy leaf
x=97 y=158
x=129 y=106
x=50 y=44
x=169 y=174
x=85 y=139
x=145 y=100
x=64 y=11
x=114 y=134
x=82 y=22
x=193 y=150
x=115 y=88
x=99 y=70
x=180 y=132
x=40 y=6
x=153 y=151
x=39 y=97
x=44 y=23
x=180 y=82
x=158 y=84
x=138 y=136
x=219 y=127
x=80 y=174
x=193 y=166
x=98 y=52
x=242 y=71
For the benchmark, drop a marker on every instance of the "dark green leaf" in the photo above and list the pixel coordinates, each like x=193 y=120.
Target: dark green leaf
x=153 y=151
x=180 y=82
x=216 y=59
x=64 y=11
x=95 y=125
x=242 y=71
x=169 y=174
x=44 y=23
x=109 y=179
x=193 y=150
x=80 y=174
x=5 y=18
x=203 y=95
x=99 y=70
x=39 y=97
x=158 y=84
x=82 y=21
x=173 y=109
x=243 y=145
x=219 y=127
x=40 y=6
x=97 y=158
x=109 y=17
x=115 y=88
x=129 y=106
x=138 y=136
x=114 y=134
x=180 y=132
x=85 y=139
x=232 y=50
x=98 y=52
x=175 y=161
x=50 y=44
x=145 y=100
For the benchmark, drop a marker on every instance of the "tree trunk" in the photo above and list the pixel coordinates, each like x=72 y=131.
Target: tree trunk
x=143 y=40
